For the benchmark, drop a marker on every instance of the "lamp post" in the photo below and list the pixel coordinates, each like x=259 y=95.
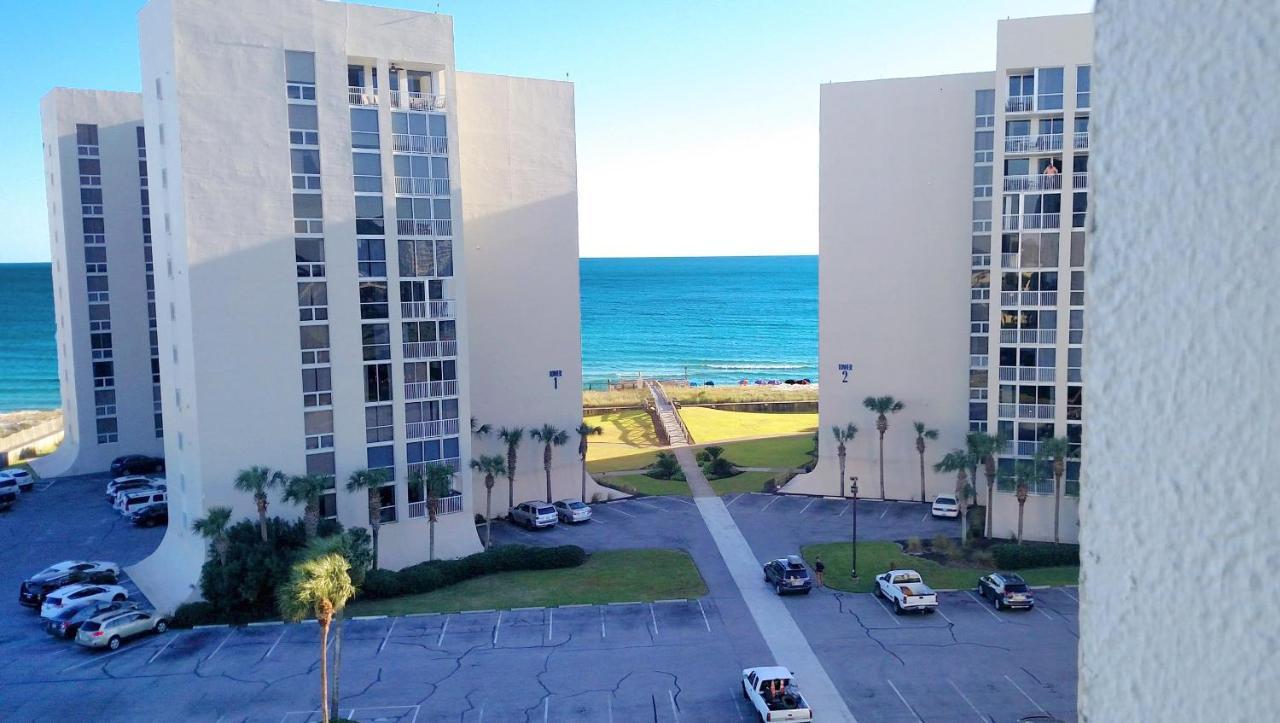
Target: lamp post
x=853 y=545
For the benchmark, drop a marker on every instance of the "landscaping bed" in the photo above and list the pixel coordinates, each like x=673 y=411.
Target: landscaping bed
x=877 y=557
x=642 y=484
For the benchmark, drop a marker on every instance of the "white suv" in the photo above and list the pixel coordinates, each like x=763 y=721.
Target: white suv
x=78 y=595
x=26 y=481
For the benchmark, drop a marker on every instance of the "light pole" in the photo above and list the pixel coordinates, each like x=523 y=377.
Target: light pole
x=853 y=545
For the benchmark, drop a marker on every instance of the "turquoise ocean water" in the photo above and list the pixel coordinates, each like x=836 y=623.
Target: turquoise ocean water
x=719 y=319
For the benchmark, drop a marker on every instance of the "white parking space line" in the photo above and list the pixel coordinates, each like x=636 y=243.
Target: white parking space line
x=735 y=499
x=650 y=505
x=602 y=633
x=944 y=616
x=886 y=511
x=847 y=505
x=775 y=499
x=496 y=628
x=653 y=616
x=273 y=645
x=551 y=621
x=443 y=628
x=704 y=616
x=1073 y=597
x=887 y=611
x=1024 y=693
x=680 y=500
x=609 y=698
x=672 y=697
x=387 y=637
x=164 y=648
x=966 y=699
x=802 y=509
x=924 y=517
x=1047 y=615
x=546 y=707
x=904 y=700
x=215 y=650
x=97 y=658
x=619 y=511
x=982 y=604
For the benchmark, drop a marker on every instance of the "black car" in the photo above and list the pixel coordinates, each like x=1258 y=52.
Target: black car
x=1006 y=590
x=36 y=588
x=788 y=574
x=156 y=513
x=136 y=464
x=65 y=623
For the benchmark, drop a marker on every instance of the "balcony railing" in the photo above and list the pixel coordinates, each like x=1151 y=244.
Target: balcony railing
x=1027 y=374
x=413 y=100
x=1020 y=104
x=422 y=145
x=1009 y=261
x=434 y=428
x=1028 y=336
x=1025 y=411
x=1033 y=144
x=448 y=505
x=437 y=309
x=1033 y=182
x=1080 y=180
x=430 y=390
x=1028 y=298
x=1041 y=220
x=1081 y=141
x=358 y=95
x=424 y=227
x=407 y=186
x=429 y=349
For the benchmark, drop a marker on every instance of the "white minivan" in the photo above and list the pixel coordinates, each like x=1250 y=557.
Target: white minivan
x=127 y=502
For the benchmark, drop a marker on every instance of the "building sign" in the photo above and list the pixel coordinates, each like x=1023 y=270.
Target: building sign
x=844 y=372
x=555 y=375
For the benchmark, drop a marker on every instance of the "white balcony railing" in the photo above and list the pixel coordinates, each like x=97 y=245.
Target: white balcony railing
x=1028 y=336
x=1010 y=222
x=1027 y=374
x=1033 y=144
x=1033 y=182
x=1080 y=180
x=429 y=349
x=413 y=100
x=430 y=390
x=1028 y=298
x=1041 y=220
x=424 y=227
x=421 y=145
x=407 y=186
x=436 y=309
x=1020 y=104
x=448 y=505
x=1026 y=411
x=1081 y=141
x=1009 y=261
x=357 y=95
x=433 y=428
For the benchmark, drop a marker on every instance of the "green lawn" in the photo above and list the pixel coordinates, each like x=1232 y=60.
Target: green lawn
x=778 y=452
x=742 y=482
x=646 y=485
x=622 y=433
x=618 y=464
x=709 y=425
x=609 y=576
x=877 y=557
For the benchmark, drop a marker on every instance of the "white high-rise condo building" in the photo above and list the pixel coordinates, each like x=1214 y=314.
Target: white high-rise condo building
x=927 y=182
x=358 y=252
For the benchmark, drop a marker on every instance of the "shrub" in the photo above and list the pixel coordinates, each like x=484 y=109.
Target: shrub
x=195 y=613
x=944 y=545
x=428 y=576
x=28 y=453
x=914 y=545
x=714 y=464
x=982 y=558
x=665 y=466
x=1016 y=557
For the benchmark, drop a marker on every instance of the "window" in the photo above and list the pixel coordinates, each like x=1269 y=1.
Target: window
x=1076 y=326
x=378 y=425
x=417 y=258
x=313 y=299
x=1079 y=209
x=107 y=429
x=376 y=340
x=303 y=124
x=377 y=383
x=381 y=457
x=982 y=184
x=1083 y=86
x=364 y=128
x=94 y=230
x=1077 y=288
x=1020 y=86
x=371 y=254
x=1050 y=126
x=373 y=299
x=386 y=500
x=300 y=75
x=104 y=402
x=1049 y=92
x=444 y=258
x=983 y=143
x=1075 y=401
x=86 y=134
x=317 y=387
x=309 y=254
x=1015 y=128
x=315 y=343
x=370 y=217
x=367 y=170
x=91 y=201
x=984 y=108
x=321 y=463
x=307 y=206
x=305 y=165
x=319 y=429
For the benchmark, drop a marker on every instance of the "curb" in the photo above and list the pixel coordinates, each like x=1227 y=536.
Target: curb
x=268 y=622
x=369 y=617
x=420 y=615
x=673 y=600
x=210 y=627
x=633 y=602
x=476 y=612
x=576 y=605
x=536 y=607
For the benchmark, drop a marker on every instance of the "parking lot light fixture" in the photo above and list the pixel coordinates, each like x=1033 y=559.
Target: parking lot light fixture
x=853 y=545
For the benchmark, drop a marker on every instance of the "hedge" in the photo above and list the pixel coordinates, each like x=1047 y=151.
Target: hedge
x=1016 y=557
x=428 y=576
x=189 y=615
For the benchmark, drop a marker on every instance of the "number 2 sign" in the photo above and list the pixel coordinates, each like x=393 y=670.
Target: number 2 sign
x=844 y=372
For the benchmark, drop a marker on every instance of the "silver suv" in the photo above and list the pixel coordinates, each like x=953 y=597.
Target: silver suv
x=534 y=515
x=1006 y=590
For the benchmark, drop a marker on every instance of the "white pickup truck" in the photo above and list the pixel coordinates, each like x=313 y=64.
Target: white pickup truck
x=906 y=591
x=774 y=695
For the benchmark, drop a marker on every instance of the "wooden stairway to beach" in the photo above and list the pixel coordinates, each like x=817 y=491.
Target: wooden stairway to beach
x=668 y=415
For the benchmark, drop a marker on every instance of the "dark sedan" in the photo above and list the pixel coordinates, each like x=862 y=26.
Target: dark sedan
x=788 y=574
x=136 y=464
x=65 y=624
x=156 y=513
x=36 y=588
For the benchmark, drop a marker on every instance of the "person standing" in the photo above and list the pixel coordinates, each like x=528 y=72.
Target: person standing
x=818 y=569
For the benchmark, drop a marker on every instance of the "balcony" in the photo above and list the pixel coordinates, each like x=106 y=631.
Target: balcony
x=1025 y=411
x=413 y=100
x=447 y=505
x=424 y=227
x=1033 y=144
x=430 y=390
x=434 y=428
x=362 y=96
x=1020 y=104
x=1030 y=221
x=1028 y=336
x=1009 y=261
x=420 y=145
x=435 y=309
x=1081 y=141
x=1035 y=182
x=1080 y=180
x=429 y=349
x=407 y=186
x=1027 y=374
x=1028 y=298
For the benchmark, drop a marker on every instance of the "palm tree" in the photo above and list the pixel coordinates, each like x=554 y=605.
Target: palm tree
x=550 y=437
x=843 y=436
x=320 y=586
x=339 y=544
x=491 y=465
x=882 y=407
x=438 y=480
x=1057 y=449
x=922 y=433
x=478 y=429
x=960 y=462
x=306 y=490
x=1020 y=474
x=585 y=430
x=371 y=481
x=213 y=527
x=511 y=437
x=258 y=481
x=982 y=449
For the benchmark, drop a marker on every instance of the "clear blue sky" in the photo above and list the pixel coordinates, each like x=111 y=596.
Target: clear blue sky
x=694 y=118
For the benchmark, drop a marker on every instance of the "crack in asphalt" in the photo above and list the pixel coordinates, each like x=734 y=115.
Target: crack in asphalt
x=867 y=629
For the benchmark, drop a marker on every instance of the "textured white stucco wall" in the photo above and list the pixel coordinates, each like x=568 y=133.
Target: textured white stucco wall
x=1180 y=540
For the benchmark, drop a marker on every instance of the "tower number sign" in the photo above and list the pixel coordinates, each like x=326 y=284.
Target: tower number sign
x=555 y=375
x=844 y=372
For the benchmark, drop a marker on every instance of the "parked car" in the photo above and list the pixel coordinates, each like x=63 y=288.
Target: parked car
x=572 y=510
x=906 y=591
x=79 y=595
x=1006 y=590
x=34 y=589
x=156 y=513
x=26 y=480
x=9 y=492
x=110 y=629
x=774 y=694
x=136 y=464
x=945 y=506
x=127 y=502
x=65 y=623
x=788 y=574
x=534 y=515
x=132 y=482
